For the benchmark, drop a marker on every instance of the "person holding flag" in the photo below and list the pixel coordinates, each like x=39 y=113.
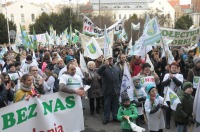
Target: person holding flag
x=173 y=80
x=153 y=108
x=139 y=99
x=183 y=113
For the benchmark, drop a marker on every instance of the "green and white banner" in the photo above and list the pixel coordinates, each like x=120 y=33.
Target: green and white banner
x=58 y=112
x=90 y=28
x=181 y=37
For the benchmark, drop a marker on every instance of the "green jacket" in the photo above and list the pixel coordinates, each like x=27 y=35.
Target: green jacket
x=184 y=109
x=131 y=112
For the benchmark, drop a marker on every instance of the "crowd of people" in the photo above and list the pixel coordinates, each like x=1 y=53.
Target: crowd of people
x=52 y=69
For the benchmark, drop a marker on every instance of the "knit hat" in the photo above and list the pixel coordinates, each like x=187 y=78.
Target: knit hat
x=149 y=87
x=124 y=97
x=196 y=59
x=146 y=65
x=135 y=78
x=69 y=58
x=50 y=67
x=187 y=85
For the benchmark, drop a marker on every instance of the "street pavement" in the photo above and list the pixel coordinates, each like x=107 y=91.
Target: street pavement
x=93 y=123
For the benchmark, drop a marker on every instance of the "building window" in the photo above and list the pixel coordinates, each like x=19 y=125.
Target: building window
x=129 y=15
x=114 y=16
x=119 y=16
x=33 y=17
x=162 y=8
x=22 y=18
x=12 y=17
x=124 y=16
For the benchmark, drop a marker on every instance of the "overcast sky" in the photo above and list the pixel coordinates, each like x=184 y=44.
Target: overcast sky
x=80 y=1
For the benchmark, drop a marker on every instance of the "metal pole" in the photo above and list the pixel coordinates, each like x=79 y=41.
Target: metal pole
x=99 y=13
x=7 y=24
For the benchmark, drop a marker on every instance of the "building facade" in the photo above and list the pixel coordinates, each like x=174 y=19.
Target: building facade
x=126 y=8
x=22 y=13
x=196 y=6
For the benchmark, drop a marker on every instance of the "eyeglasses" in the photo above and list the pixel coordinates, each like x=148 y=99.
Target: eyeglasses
x=34 y=70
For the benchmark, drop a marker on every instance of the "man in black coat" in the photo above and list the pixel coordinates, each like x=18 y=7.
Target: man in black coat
x=111 y=83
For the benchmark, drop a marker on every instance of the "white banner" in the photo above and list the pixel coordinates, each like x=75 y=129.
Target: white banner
x=90 y=28
x=85 y=39
x=56 y=112
x=181 y=37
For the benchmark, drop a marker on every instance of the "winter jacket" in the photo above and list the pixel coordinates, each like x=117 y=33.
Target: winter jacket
x=189 y=63
x=5 y=96
x=95 y=90
x=111 y=79
x=193 y=72
x=131 y=111
x=184 y=109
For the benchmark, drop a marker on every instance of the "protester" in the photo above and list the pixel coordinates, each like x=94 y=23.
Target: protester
x=28 y=63
x=26 y=90
x=111 y=82
x=135 y=65
x=38 y=81
x=189 y=61
x=50 y=79
x=70 y=82
x=139 y=99
x=153 y=108
x=183 y=114
x=121 y=61
x=194 y=74
x=147 y=73
x=6 y=94
x=172 y=80
x=126 y=111
x=95 y=92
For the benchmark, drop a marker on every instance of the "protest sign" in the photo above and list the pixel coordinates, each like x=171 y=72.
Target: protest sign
x=90 y=28
x=85 y=39
x=56 y=112
x=181 y=37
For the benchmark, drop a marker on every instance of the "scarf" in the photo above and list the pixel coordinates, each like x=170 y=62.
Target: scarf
x=25 y=87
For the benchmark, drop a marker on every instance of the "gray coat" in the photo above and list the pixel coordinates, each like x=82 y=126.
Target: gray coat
x=111 y=79
x=95 y=90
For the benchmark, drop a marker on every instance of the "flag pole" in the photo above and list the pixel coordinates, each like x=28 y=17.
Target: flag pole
x=7 y=24
x=164 y=49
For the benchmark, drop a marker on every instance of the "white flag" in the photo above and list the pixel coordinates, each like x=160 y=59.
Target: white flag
x=34 y=59
x=14 y=47
x=127 y=84
x=83 y=64
x=173 y=98
x=196 y=110
x=92 y=49
x=150 y=63
x=140 y=49
x=135 y=27
x=106 y=43
x=152 y=32
x=130 y=43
